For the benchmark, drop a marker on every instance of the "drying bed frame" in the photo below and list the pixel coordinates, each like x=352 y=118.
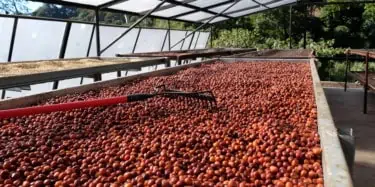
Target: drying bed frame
x=335 y=169
x=30 y=78
x=361 y=76
x=180 y=55
x=277 y=53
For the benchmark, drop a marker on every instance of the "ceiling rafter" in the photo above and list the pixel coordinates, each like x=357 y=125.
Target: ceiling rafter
x=168 y=6
x=111 y=3
x=208 y=7
x=194 y=7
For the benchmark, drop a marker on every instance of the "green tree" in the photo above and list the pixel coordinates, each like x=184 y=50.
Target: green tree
x=13 y=7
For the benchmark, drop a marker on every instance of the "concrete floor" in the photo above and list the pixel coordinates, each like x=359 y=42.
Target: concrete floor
x=346 y=109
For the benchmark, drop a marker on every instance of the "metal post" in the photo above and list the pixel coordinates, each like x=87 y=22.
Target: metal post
x=346 y=70
x=191 y=41
x=136 y=40
x=134 y=25
x=169 y=35
x=365 y=85
x=186 y=33
x=12 y=39
x=305 y=32
x=196 y=42
x=209 y=20
x=290 y=27
x=90 y=42
x=211 y=39
x=97 y=18
x=64 y=44
x=165 y=39
x=3 y=94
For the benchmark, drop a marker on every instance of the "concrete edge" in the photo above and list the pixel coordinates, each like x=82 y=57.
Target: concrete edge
x=335 y=170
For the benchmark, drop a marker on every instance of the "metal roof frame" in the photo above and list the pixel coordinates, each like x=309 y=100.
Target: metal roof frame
x=172 y=3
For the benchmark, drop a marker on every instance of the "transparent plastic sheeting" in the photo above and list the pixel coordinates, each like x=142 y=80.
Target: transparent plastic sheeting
x=6 y=28
x=186 y=42
x=169 y=10
x=202 y=40
x=109 y=34
x=176 y=36
x=78 y=41
x=36 y=39
x=150 y=40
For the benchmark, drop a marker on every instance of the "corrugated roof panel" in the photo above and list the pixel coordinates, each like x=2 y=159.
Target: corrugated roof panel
x=196 y=16
x=206 y=3
x=137 y=5
x=89 y=2
x=246 y=12
x=240 y=5
x=172 y=11
x=281 y=3
x=217 y=19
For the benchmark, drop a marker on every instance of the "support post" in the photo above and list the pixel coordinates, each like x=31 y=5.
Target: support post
x=211 y=39
x=290 y=27
x=346 y=71
x=136 y=40
x=97 y=26
x=64 y=44
x=90 y=42
x=10 y=53
x=169 y=35
x=365 y=85
x=12 y=39
x=191 y=41
x=134 y=25
x=196 y=41
x=305 y=28
x=3 y=94
x=164 y=41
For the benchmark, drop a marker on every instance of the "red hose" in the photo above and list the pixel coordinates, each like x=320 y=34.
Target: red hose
x=61 y=107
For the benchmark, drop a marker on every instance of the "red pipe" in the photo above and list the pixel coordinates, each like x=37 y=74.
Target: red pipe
x=61 y=107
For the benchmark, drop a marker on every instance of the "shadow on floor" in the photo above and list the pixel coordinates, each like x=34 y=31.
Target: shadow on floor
x=346 y=109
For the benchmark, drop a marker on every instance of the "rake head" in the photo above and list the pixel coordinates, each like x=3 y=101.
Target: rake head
x=202 y=97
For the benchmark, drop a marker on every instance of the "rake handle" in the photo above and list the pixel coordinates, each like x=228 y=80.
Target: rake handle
x=73 y=105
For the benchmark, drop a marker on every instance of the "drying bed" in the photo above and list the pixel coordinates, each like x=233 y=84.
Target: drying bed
x=34 y=67
x=263 y=131
x=25 y=73
x=277 y=53
x=186 y=54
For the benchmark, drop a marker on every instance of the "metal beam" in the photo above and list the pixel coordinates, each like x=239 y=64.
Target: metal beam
x=97 y=26
x=212 y=18
x=261 y=4
x=196 y=42
x=164 y=41
x=134 y=25
x=14 y=31
x=252 y=7
x=365 y=86
x=168 y=6
x=136 y=40
x=191 y=41
x=28 y=79
x=169 y=35
x=110 y=3
x=206 y=10
x=64 y=44
x=208 y=7
x=90 y=41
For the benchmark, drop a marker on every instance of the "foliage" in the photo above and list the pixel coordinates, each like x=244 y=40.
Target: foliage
x=13 y=6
